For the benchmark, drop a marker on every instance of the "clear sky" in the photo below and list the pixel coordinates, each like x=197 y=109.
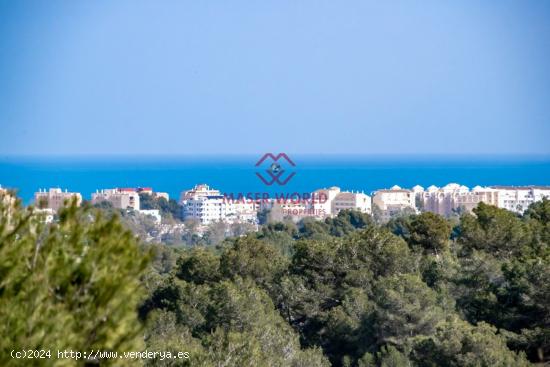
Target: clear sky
x=245 y=77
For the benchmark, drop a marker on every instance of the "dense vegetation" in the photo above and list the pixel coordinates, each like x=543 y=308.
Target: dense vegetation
x=420 y=290
x=70 y=285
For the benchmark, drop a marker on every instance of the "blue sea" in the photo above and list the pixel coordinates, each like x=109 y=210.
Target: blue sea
x=238 y=174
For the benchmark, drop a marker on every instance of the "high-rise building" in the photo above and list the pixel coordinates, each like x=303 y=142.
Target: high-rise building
x=208 y=205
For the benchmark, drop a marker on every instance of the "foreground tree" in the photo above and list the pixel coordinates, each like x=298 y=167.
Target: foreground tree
x=70 y=285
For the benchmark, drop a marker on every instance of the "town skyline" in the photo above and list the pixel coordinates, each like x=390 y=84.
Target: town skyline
x=207 y=204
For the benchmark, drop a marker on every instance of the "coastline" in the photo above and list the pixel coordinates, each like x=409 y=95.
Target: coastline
x=174 y=174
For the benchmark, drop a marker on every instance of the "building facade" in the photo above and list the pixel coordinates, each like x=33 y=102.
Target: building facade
x=322 y=201
x=332 y=201
x=393 y=201
x=55 y=198
x=518 y=198
x=120 y=198
x=351 y=200
x=207 y=205
x=454 y=198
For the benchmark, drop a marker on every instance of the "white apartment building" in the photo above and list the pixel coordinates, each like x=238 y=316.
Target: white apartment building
x=55 y=198
x=454 y=197
x=200 y=190
x=351 y=200
x=477 y=195
x=120 y=198
x=239 y=211
x=518 y=198
x=207 y=205
x=202 y=203
x=393 y=201
x=323 y=200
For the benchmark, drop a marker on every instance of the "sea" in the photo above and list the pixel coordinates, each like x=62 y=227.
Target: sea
x=241 y=174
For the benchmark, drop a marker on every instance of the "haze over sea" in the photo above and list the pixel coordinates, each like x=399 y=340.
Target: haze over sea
x=236 y=174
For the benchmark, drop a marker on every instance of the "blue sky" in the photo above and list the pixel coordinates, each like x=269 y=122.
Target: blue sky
x=235 y=77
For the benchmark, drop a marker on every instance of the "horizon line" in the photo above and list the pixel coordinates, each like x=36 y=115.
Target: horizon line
x=236 y=155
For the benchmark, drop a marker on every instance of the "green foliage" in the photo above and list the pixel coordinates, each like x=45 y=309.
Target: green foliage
x=70 y=285
x=458 y=343
x=164 y=258
x=429 y=231
x=405 y=307
x=400 y=226
x=390 y=356
x=367 y=360
x=493 y=230
x=537 y=218
x=165 y=334
x=375 y=250
x=241 y=308
x=347 y=221
x=419 y=291
x=169 y=209
x=248 y=257
x=326 y=295
x=313 y=229
x=280 y=236
x=234 y=320
x=199 y=266
x=348 y=326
